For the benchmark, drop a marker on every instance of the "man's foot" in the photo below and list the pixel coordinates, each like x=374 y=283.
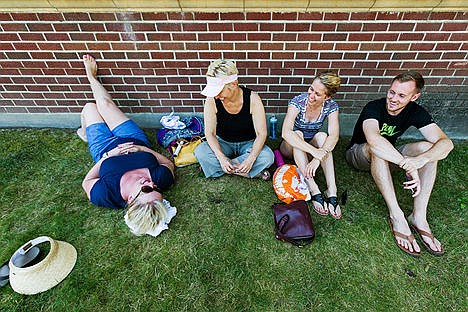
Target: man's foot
x=333 y=206
x=430 y=243
x=405 y=242
x=319 y=204
x=82 y=134
x=90 y=66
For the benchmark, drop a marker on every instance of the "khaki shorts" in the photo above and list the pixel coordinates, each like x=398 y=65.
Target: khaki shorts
x=356 y=157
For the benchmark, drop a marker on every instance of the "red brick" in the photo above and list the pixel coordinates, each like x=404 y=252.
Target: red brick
x=385 y=37
x=372 y=46
x=137 y=55
x=221 y=26
x=403 y=55
x=28 y=46
x=30 y=36
x=320 y=46
x=396 y=47
x=107 y=37
x=375 y=27
x=258 y=16
x=65 y=55
x=389 y=15
x=237 y=16
x=234 y=36
x=162 y=55
x=411 y=36
x=290 y=16
x=347 y=46
x=413 y=65
x=428 y=26
x=437 y=36
x=175 y=64
x=360 y=36
x=186 y=16
x=66 y=27
x=415 y=16
x=91 y=27
x=322 y=27
x=279 y=55
x=230 y=46
x=422 y=46
x=429 y=55
x=194 y=27
x=14 y=27
x=169 y=27
x=366 y=16
x=335 y=37
x=298 y=27
x=338 y=16
x=197 y=46
x=365 y=64
x=331 y=56
x=401 y=26
x=202 y=16
x=81 y=36
x=209 y=36
x=389 y=65
x=241 y=46
x=99 y=46
x=57 y=64
x=454 y=56
x=234 y=55
x=74 y=46
x=102 y=17
x=24 y=16
x=154 y=16
x=461 y=16
x=442 y=15
x=349 y=27
x=284 y=37
x=128 y=16
x=10 y=64
x=5 y=16
x=258 y=36
x=459 y=37
x=158 y=37
x=75 y=16
x=454 y=27
x=7 y=46
x=296 y=46
x=307 y=16
x=437 y=64
x=355 y=56
x=272 y=27
x=132 y=36
x=184 y=36
x=442 y=46
x=246 y=27
x=57 y=37
x=41 y=55
x=309 y=37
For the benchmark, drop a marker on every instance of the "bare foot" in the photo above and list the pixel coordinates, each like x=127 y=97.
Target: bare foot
x=90 y=66
x=423 y=228
x=401 y=226
x=82 y=134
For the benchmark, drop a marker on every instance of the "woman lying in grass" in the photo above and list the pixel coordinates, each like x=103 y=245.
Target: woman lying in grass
x=127 y=172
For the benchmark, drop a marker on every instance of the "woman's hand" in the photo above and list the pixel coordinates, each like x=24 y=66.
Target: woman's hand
x=320 y=154
x=125 y=148
x=311 y=168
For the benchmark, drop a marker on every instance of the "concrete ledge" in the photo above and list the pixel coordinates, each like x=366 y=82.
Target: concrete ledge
x=347 y=122
x=231 y=6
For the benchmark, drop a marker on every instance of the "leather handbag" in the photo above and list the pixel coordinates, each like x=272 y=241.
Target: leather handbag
x=182 y=151
x=293 y=223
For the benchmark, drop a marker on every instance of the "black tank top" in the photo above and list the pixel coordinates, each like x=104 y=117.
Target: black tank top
x=235 y=127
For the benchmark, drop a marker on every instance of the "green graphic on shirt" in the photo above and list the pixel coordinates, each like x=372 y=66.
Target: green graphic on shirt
x=388 y=130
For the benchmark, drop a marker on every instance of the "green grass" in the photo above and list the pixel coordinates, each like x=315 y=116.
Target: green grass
x=220 y=253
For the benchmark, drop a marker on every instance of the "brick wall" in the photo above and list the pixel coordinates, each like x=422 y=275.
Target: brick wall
x=155 y=62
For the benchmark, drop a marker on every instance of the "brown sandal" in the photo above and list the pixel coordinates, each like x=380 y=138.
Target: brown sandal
x=410 y=238
x=422 y=233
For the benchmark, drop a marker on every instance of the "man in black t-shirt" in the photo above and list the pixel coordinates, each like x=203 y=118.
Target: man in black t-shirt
x=372 y=147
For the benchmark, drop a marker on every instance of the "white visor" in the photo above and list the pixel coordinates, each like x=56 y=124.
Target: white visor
x=214 y=85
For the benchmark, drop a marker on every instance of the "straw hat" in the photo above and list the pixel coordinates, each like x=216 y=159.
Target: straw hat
x=45 y=274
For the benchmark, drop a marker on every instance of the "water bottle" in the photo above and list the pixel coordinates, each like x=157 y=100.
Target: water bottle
x=273 y=123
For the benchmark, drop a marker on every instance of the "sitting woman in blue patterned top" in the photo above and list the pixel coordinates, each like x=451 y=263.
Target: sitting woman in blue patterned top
x=310 y=147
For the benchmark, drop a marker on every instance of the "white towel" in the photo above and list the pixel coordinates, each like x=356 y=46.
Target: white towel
x=171 y=212
x=172 y=122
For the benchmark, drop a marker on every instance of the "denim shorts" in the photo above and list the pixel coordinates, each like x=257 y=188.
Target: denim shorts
x=101 y=139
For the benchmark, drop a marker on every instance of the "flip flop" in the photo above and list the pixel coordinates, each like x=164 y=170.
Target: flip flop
x=319 y=199
x=410 y=238
x=333 y=200
x=422 y=233
x=20 y=261
x=81 y=133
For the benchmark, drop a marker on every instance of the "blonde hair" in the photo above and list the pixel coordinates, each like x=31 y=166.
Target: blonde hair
x=146 y=216
x=222 y=68
x=330 y=80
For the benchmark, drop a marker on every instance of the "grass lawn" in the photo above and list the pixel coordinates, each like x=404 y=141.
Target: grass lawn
x=220 y=253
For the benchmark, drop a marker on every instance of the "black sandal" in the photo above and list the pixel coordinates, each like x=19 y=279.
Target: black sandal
x=319 y=199
x=333 y=200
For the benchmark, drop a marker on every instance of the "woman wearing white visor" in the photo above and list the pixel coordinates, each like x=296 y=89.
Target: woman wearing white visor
x=235 y=127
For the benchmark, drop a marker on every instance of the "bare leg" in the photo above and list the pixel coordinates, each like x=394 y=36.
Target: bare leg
x=329 y=172
x=381 y=173
x=111 y=114
x=427 y=176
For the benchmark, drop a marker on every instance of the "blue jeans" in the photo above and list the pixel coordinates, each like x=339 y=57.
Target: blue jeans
x=239 y=150
x=101 y=139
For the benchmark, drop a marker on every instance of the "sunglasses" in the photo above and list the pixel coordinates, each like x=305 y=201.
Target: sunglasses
x=146 y=189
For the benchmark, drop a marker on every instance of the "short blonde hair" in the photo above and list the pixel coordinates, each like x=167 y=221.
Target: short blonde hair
x=146 y=216
x=330 y=80
x=222 y=68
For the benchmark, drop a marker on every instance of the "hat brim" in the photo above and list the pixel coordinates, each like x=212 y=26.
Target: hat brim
x=212 y=91
x=46 y=274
